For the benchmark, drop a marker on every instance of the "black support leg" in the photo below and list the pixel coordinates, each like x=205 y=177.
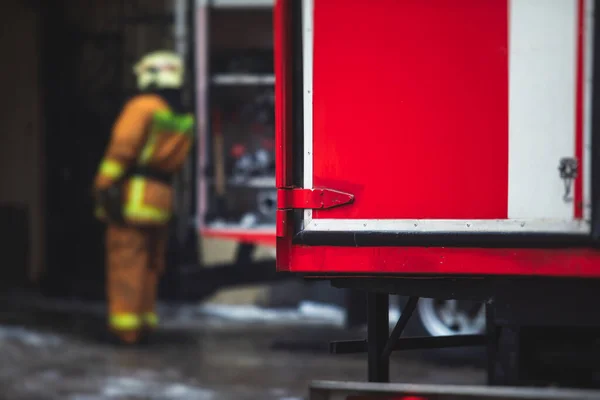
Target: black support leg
x=356 y=308
x=244 y=253
x=492 y=334
x=507 y=360
x=377 y=336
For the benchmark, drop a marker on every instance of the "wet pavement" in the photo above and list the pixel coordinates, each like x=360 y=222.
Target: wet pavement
x=45 y=355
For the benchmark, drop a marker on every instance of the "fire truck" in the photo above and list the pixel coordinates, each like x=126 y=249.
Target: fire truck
x=438 y=149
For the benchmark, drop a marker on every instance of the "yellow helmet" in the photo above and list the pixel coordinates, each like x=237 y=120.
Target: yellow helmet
x=161 y=70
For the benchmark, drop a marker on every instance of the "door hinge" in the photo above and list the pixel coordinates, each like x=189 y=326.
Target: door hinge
x=311 y=199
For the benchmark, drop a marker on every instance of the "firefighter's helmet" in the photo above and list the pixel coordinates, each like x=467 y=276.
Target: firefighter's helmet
x=159 y=70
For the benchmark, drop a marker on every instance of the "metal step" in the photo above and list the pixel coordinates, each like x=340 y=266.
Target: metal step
x=329 y=390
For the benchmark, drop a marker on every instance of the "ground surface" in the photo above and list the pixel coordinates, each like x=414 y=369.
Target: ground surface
x=51 y=355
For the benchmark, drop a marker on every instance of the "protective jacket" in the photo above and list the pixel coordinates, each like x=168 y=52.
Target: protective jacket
x=149 y=143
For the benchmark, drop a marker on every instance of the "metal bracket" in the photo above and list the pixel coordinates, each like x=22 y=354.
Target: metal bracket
x=412 y=343
x=380 y=344
x=311 y=199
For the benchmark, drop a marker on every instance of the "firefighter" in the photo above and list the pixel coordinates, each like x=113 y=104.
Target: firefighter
x=149 y=144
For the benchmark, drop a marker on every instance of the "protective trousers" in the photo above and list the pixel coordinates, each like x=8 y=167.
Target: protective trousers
x=135 y=261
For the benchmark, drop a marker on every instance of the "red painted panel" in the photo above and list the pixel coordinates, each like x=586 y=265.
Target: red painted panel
x=439 y=260
x=411 y=107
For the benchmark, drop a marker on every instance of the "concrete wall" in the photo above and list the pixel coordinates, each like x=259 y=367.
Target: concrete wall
x=21 y=128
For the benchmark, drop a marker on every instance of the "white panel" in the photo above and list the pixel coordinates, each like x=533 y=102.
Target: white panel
x=450 y=225
x=307 y=77
x=542 y=71
x=201 y=47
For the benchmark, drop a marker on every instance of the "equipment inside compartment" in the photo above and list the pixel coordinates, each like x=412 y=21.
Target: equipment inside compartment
x=241 y=167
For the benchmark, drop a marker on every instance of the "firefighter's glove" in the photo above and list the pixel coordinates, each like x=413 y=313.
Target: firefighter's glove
x=111 y=200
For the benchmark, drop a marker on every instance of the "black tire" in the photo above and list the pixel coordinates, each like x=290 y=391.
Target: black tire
x=460 y=355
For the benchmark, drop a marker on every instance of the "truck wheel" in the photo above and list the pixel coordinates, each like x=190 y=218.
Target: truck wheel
x=451 y=317
x=435 y=317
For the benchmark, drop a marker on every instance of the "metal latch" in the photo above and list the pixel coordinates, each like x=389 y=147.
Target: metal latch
x=306 y=199
x=311 y=199
x=568 y=169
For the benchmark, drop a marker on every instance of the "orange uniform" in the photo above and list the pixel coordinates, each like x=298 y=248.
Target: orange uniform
x=149 y=143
